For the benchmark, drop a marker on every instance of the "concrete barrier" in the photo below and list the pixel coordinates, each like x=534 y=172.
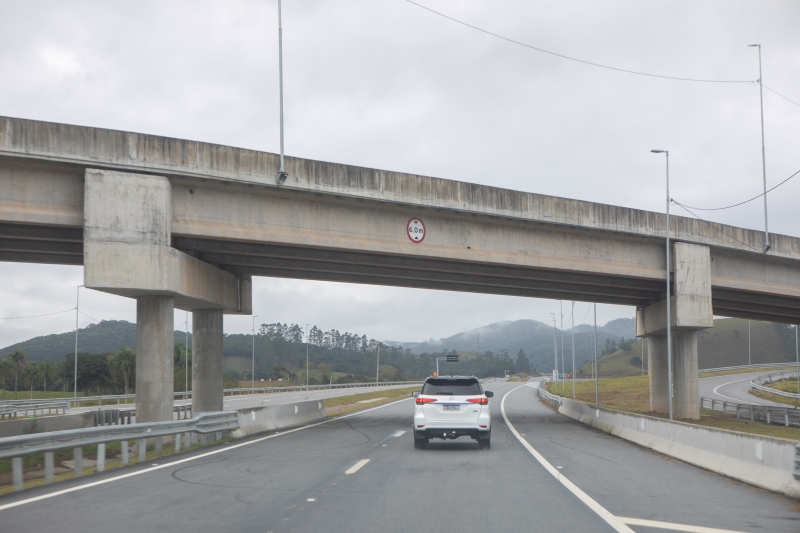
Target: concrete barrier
x=271 y=417
x=766 y=462
x=26 y=426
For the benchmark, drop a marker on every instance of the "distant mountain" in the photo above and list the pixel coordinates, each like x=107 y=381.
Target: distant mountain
x=107 y=336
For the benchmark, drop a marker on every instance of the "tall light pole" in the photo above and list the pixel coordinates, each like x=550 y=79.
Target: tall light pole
x=749 y=362
x=281 y=176
x=573 y=350
x=596 y=373
x=763 y=151
x=378 y=365
x=77 y=311
x=555 y=346
x=186 y=356
x=253 y=363
x=797 y=358
x=561 y=305
x=669 y=316
x=307 y=355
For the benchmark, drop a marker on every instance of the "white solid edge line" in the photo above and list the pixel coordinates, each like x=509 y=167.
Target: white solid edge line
x=228 y=448
x=601 y=511
x=356 y=467
x=673 y=527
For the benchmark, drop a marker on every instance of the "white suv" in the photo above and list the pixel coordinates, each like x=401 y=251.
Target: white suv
x=449 y=407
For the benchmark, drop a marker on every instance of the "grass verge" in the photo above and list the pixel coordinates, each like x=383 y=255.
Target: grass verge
x=632 y=395
x=355 y=402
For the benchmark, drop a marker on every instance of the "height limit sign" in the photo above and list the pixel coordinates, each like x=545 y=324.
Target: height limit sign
x=415 y=230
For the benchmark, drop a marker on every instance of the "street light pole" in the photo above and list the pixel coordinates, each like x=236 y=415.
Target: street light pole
x=797 y=358
x=281 y=176
x=749 y=362
x=669 y=316
x=186 y=356
x=253 y=364
x=555 y=346
x=573 y=350
x=596 y=373
x=77 y=310
x=307 y=355
x=561 y=305
x=763 y=151
x=378 y=365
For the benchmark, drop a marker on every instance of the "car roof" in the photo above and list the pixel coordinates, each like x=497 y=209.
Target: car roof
x=452 y=377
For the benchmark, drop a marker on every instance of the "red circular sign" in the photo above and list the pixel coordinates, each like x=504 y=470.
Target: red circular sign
x=415 y=229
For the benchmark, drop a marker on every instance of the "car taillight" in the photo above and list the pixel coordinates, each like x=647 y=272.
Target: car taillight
x=420 y=401
x=482 y=401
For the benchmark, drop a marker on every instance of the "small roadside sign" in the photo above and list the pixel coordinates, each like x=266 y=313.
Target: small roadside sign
x=415 y=229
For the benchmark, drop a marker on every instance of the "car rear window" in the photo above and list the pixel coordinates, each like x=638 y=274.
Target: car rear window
x=456 y=387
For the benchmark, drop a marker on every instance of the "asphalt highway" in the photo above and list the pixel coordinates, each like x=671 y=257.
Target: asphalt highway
x=734 y=388
x=361 y=473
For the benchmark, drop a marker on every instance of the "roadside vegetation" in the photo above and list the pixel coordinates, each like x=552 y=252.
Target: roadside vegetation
x=787 y=385
x=632 y=395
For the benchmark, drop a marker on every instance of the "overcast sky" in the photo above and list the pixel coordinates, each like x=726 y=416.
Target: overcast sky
x=386 y=84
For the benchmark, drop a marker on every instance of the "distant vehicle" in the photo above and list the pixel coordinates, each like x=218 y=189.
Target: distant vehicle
x=449 y=407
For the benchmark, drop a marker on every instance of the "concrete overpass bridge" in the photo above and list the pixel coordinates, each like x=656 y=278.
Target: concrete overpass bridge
x=184 y=224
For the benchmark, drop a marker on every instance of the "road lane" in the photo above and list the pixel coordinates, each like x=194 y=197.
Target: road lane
x=734 y=388
x=297 y=482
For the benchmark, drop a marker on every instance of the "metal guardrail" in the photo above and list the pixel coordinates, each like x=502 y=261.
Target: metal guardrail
x=239 y=391
x=203 y=424
x=753 y=368
x=797 y=462
x=24 y=408
x=756 y=383
x=784 y=416
x=552 y=399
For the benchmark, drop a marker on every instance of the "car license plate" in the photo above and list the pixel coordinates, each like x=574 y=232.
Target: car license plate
x=450 y=407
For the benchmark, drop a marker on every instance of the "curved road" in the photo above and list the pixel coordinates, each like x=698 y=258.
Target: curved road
x=734 y=388
x=361 y=473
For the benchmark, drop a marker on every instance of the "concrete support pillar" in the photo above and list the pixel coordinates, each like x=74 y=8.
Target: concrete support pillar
x=207 y=364
x=684 y=367
x=155 y=340
x=657 y=371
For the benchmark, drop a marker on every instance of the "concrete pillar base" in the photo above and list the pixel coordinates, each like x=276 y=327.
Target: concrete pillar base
x=686 y=402
x=154 y=358
x=207 y=363
x=657 y=371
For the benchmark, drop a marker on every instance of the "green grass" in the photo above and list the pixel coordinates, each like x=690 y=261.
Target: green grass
x=632 y=394
x=787 y=385
x=347 y=404
x=37 y=395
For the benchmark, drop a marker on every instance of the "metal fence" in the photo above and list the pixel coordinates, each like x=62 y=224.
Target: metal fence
x=756 y=383
x=203 y=424
x=552 y=399
x=783 y=416
x=27 y=408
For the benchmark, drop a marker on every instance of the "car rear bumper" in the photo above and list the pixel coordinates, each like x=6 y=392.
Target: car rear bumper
x=451 y=433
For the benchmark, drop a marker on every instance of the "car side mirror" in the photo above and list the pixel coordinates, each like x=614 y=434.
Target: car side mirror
x=489 y=393
x=414 y=394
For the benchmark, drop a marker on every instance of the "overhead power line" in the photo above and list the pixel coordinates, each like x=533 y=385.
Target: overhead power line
x=497 y=35
x=779 y=94
x=90 y=318
x=734 y=205
x=36 y=316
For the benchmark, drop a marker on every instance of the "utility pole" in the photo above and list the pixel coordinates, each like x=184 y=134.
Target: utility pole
x=763 y=151
x=77 y=310
x=596 y=373
x=378 y=365
x=573 y=349
x=555 y=346
x=281 y=176
x=561 y=305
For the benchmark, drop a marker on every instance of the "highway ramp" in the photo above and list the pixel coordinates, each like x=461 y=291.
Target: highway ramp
x=735 y=388
x=298 y=481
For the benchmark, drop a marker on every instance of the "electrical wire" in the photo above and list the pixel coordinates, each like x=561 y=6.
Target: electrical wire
x=779 y=94
x=574 y=58
x=734 y=205
x=35 y=316
x=90 y=318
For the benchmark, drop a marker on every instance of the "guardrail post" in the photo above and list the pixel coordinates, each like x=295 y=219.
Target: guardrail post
x=101 y=457
x=158 y=444
x=142 y=450
x=48 y=467
x=752 y=414
x=77 y=458
x=16 y=468
x=737 y=410
x=786 y=417
x=219 y=435
x=177 y=443
x=724 y=407
x=124 y=445
x=713 y=401
x=203 y=440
